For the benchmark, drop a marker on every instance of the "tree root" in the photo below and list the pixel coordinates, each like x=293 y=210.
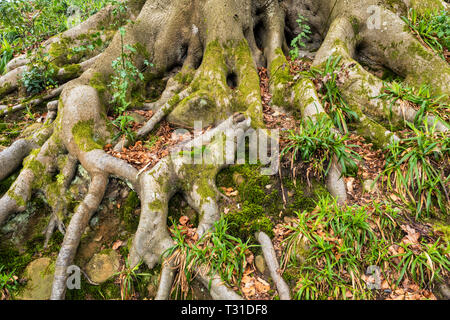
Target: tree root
x=4 y=110
x=76 y=227
x=165 y=109
x=218 y=79
x=273 y=265
x=217 y=289
x=168 y=273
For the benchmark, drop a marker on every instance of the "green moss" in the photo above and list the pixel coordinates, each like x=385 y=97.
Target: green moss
x=244 y=223
x=156 y=205
x=261 y=199
x=127 y=211
x=355 y=24
x=60 y=52
x=99 y=83
x=85 y=136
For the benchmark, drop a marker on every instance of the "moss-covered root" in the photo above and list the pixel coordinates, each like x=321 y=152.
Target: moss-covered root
x=177 y=173
x=11 y=158
x=104 y=18
x=303 y=97
x=35 y=174
x=360 y=88
x=226 y=82
x=56 y=195
x=76 y=227
x=273 y=265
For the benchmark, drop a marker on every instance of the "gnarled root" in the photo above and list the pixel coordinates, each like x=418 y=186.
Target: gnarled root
x=218 y=79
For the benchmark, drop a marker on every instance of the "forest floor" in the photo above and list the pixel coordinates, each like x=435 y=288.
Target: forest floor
x=325 y=251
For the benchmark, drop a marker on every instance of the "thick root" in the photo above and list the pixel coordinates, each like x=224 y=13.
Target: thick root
x=165 y=282
x=173 y=174
x=77 y=225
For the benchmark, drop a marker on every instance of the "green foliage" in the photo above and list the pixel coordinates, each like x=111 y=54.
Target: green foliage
x=7 y=282
x=127 y=211
x=218 y=250
x=25 y=23
x=40 y=75
x=316 y=142
x=338 y=109
x=422 y=97
x=337 y=238
x=125 y=76
x=415 y=169
x=129 y=276
x=298 y=40
x=432 y=27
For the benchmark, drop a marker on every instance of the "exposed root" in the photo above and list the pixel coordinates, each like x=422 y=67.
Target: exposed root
x=58 y=199
x=168 y=273
x=273 y=265
x=173 y=174
x=360 y=88
x=217 y=289
x=48 y=96
x=76 y=227
x=165 y=109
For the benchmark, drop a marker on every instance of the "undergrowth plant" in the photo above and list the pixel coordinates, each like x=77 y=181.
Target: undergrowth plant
x=336 y=245
x=426 y=102
x=41 y=74
x=316 y=142
x=220 y=252
x=423 y=263
x=297 y=42
x=125 y=76
x=417 y=170
x=338 y=108
x=432 y=27
x=8 y=283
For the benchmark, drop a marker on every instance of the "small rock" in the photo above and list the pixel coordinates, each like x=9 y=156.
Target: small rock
x=94 y=221
x=238 y=178
x=103 y=266
x=151 y=290
x=137 y=117
x=260 y=264
x=39 y=274
x=269 y=186
x=370 y=186
x=124 y=194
